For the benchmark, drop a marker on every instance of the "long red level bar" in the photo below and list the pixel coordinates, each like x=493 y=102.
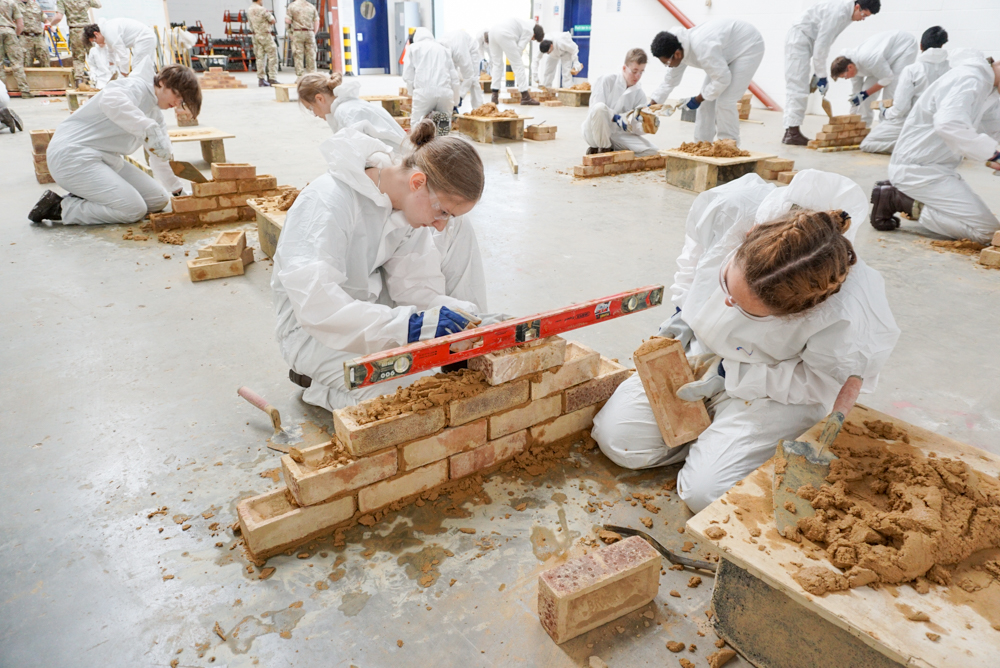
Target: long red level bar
x=426 y=355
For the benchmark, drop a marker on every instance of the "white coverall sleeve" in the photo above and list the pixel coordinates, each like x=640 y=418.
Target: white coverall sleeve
x=829 y=30
x=670 y=81
x=953 y=123
x=904 y=97
x=118 y=105
x=413 y=275
x=409 y=72
x=717 y=69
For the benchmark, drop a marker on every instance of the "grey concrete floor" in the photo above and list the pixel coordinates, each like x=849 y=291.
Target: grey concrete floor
x=120 y=397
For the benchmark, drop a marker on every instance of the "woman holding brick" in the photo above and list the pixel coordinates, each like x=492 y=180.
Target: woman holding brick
x=359 y=269
x=337 y=102
x=776 y=312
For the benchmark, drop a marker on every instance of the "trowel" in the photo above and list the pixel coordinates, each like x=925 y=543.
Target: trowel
x=283 y=439
x=808 y=463
x=187 y=171
x=667 y=554
x=813 y=87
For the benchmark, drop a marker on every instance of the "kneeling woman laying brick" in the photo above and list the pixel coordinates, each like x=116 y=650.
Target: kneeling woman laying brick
x=337 y=102
x=376 y=254
x=779 y=311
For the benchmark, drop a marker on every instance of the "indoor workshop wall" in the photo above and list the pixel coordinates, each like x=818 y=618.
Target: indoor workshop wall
x=619 y=25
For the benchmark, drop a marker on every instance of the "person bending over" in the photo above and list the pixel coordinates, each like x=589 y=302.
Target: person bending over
x=337 y=102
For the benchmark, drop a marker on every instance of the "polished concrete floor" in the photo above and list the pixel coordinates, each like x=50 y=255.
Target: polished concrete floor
x=120 y=398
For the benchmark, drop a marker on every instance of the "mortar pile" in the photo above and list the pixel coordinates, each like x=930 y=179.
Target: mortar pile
x=722 y=148
x=489 y=110
x=427 y=392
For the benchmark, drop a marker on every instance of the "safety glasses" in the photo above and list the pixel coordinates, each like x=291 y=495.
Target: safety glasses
x=725 y=289
x=439 y=212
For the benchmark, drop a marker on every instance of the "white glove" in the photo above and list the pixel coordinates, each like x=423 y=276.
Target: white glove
x=157 y=142
x=675 y=328
x=576 y=69
x=708 y=381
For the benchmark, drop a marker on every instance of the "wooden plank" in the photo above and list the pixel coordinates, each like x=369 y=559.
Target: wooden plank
x=282 y=92
x=663 y=368
x=511 y=160
x=179 y=136
x=753 y=157
x=42 y=78
x=868 y=614
x=269 y=224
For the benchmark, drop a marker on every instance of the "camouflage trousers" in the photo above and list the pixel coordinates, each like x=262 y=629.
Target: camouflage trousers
x=10 y=48
x=80 y=50
x=266 y=53
x=304 y=51
x=34 y=47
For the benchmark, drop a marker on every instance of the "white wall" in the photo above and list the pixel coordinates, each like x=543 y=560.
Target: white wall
x=210 y=12
x=150 y=12
x=970 y=23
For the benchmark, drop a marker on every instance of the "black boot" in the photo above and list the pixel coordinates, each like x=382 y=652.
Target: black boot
x=7 y=118
x=300 y=379
x=593 y=150
x=887 y=200
x=794 y=137
x=495 y=97
x=526 y=99
x=48 y=207
x=262 y=84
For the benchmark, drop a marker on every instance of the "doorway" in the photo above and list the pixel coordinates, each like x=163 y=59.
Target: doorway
x=371 y=30
x=576 y=21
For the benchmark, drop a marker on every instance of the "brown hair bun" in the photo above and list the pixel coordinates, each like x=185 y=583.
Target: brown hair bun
x=423 y=132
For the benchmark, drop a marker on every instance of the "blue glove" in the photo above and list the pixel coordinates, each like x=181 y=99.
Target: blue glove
x=693 y=103
x=858 y=99
x=620 y=122
x=822 y=85
x=435 y=322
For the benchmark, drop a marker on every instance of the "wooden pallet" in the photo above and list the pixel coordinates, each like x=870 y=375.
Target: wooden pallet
x=484 y=130
x=573 y=98
x=75 y=98
x=698 y=173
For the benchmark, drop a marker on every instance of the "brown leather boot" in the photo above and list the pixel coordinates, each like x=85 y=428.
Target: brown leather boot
x=794 y=137
x=526 y=98
x=495 y=97
x=887 y=200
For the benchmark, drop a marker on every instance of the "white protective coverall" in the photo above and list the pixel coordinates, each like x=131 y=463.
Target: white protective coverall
x=348 y=110
x=807 y=47
x=611 y=95
x=881 y=59
x=100 y=68
x=85 y=155
x=782 y=374
x=957 y=117
x=120 y=35
x=913 y=81
x=509 y=38
x=729 y=51
x=466 y=55
x=430 y=75
x=564 y=55
x=4 y=96
x=349 y=272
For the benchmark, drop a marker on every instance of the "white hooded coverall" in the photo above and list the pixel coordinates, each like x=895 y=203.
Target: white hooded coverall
x=957 y=117
x=466 y=55
x=349 y=272
x=4 y=96
x=120 y=35
x=729 y=51
x=880 y=59
x=509 y=38
x=348 y=110
x=913 y=81
x=611 y=95
x=430 y=75
x=807 y=47
x=563 y=55
x=85 y=156
x=782 y=373
x=100 y=69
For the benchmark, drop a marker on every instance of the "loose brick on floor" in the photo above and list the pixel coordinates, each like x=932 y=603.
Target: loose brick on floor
x=443 y=444
x=383 y=493
x=486 y=403
x=310 y=485
x=483 y=457
x=367 y=438
x=563 y=426
x=597 y=390
x=526 y=416
x=513 y=363
x=582 y=364
x=272 y=522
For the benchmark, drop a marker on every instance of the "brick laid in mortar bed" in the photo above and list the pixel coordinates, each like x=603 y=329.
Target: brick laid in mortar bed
x=310 y=483
x=512 y=363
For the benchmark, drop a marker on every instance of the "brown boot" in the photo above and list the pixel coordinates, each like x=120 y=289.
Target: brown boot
x=887 y=200
x=526 y=98
x=794 y=137
x=495 y=97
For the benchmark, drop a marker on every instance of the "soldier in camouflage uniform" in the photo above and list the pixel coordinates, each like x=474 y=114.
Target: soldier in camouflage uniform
x=264 y=48
x=302 y=19
x=11 y=22
x=78 y=18
x=33 y=36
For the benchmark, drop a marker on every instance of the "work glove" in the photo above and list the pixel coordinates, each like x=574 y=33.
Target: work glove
x=576 y=69
x=620 y=122
x=710 y=378
x=435 y=322
x=693 y=103
x=675 y=328
x=994 y=163
x=856 y=100
x=157 y=142
x=822 y=85
x=491 y=319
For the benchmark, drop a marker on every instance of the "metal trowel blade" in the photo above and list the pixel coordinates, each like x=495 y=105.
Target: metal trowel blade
x=803 y=465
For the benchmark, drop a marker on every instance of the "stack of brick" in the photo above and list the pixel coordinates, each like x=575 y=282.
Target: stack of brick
x=534 y=396
x=222 y=200
x=552 y=103
x=990 y=256
x=227 y=256
x=842 y=133
x=39 y=146
x=776 y=169
x=185 y=118
x=744 y=106
x=540 y=132
x=216 y=78
x=617 y=162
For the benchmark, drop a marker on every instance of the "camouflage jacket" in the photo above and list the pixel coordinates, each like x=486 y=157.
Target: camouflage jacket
x=34 y=19
x=75 y=11
x=260 y=20
x=302 y=14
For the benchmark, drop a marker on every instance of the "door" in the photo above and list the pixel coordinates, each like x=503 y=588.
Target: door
x=576 y=21
x=371 y=30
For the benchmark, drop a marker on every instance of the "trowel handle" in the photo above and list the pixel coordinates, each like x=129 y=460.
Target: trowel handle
x=260 y=402
x=846 y=398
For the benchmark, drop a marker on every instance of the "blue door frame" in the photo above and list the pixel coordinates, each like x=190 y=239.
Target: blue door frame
x=372 y=36
x=576 y=21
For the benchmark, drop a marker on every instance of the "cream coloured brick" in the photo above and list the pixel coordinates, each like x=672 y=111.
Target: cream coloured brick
x=597 y=390
x=231 y=171
x=483 y=457
x=564 y=426
x=273 y=522
x=311 y=484
x=493 y=400
x=513 y=363
x=443 y=444
x=367 y=438
x=187 y=204
x=213 y=188
x=383 y=493
x=582 y=364
x=990 y=257
x=517 y=419
x=996 y=239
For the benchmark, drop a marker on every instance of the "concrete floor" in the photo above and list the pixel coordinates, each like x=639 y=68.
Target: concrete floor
x=121 y=398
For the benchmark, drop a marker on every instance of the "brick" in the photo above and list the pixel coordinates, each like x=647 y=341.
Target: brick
x=850 y=118
x=383 y=493
x=517 y=419
x=229 y=245
x=830 y=127
x=265 y=182
x=598 y=159
x=623 y=156
x=597 y=588
x=219 y=216
x=564 y=426
x=44 y=178
x=486 y=456
x=486 y=403
x=513 y=363
x=552 y=103
x=786 y=177
x=365 y=439
x=246 y=257
x=246 y=213
x=996 y=239
x=597 y=390
x=657 y=162
x=990 y=257
x=767 y=174
x=186 y=204
x=273 y=522
x=615 y=168
x=449 y=442
x=775 y=165
x=311 y=484
x=207 y=269
x=231 y=171
x=584 y=170
x=40 y=140
x=213 y=188
x=663 y=368
x=172 y=221
x=40 y=158
x=582 y=364
x=42 y=168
